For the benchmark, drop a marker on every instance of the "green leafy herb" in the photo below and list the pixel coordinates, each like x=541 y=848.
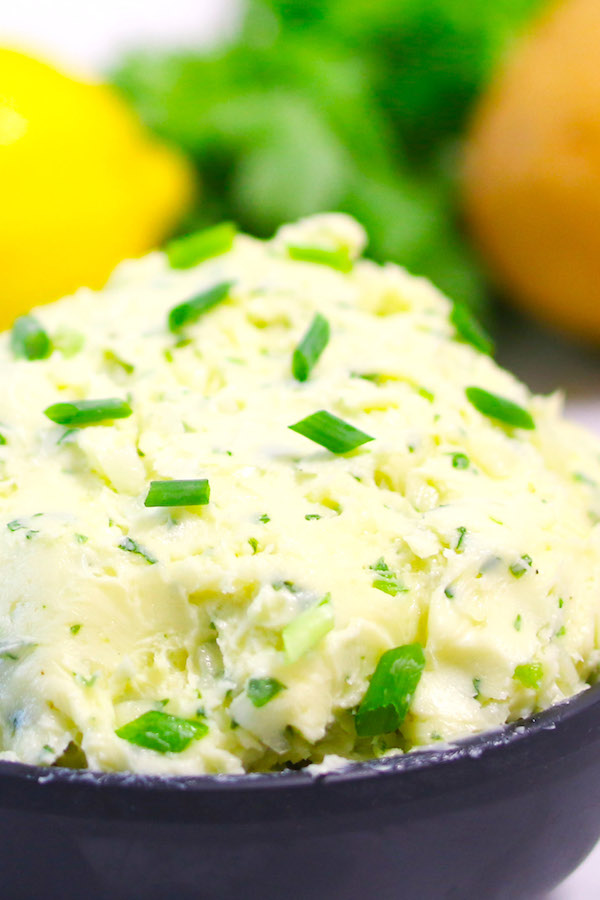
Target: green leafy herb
x=261 y=690
x=191 y=310
x=114 y=360
x=79 y=413
x=133 y=547
x=310 y=348
x=469 y=330
x=189 y=251
x=530 y=675
x=496 y=407
x=462 y=531
x=75 y=629
x=156 y=730
x=68 y=342
x=386 y=580
x=331 y=432
x=307 y=629
x=191 y=492
x=388 y=697
x=28 y=340
x=460 y=461
x=519 y=568
x=336 y=259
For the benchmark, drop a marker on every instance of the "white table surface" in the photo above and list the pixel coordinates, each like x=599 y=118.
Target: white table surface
x=90 y=35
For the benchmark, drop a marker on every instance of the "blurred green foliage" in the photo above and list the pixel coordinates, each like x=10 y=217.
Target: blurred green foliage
x=329 y=105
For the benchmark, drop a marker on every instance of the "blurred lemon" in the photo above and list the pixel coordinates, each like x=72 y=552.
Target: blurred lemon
x=82 y=184
x=532 y=182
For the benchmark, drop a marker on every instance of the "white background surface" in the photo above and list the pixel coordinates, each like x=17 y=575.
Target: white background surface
x=90 y=34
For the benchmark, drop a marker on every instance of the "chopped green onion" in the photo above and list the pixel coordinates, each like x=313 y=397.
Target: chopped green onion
x=264 y=518
x=460 y=461
x=2 y=440
x=469 y=330
x=386 y=580
x=68 y=342
x=113 y=359
x=561 y=602
x=561 y=631
x=426 y=394
x=261 y=690
x=449 y=592
x=28 y=340
x=331 y=432
x=496 y=407
x=156 y=730
x=584 y=479
x=310 y=348
x=192 y=492
x=310 y=516
x=518 y=622
x=81 y=538
x=190 y=311
x=388 y=697
x=530 y=675
x=193 y=249
x=477 y=688
x=254 y=544
x=133 y=547
x=519 y=568
x=336 y=259
x=78 y=413
x=308 y=629
x=74 y=629
x=461 y=536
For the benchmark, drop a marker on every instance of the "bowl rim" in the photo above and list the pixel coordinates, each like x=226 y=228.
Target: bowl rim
x=471 y=748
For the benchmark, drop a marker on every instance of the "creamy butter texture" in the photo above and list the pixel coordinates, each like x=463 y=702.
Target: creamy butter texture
x=478 y=540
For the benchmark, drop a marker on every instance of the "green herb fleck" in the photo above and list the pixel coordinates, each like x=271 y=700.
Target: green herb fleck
x=68 y=342
x=310 y=516
x=426 y=394
x=159 y=731
x=519 y=568
x=112 y=359
x=310 y=348
x=2 y=440
x=386 y=580
x=81 y=538
x=254 y=544
x=28 y=340
x=75 y=629
x=191 y=310
x=469 y=330
x=264 y=518
x=388 y=697
x=462 y=531
x=561 y=602
x=336 y=259
x=477 y=688
x=48 y=748
x=530 y=675
x=191 y=492
x=460 y=461
x=518 y=622
x=261 y=690
x=584 y=479
x=133 y=547
x=561 y=631
x=189 y=251
x=496 y=407
x=331 y=432
x=449 y=591
x=79 y=413
x=307 y=629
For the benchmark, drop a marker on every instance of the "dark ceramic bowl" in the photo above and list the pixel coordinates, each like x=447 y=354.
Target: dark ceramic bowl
x=507 y=814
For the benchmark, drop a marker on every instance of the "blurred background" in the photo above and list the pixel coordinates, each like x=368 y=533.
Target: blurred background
x=464 y=135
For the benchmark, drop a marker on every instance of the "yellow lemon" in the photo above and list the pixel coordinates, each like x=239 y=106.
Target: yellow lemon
x=82 y=184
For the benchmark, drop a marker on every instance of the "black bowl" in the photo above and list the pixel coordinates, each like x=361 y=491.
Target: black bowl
x=506 y=814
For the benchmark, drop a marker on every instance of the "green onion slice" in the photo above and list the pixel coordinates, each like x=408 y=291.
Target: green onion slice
x=469 y=330
x=28 y=340
x=496 y=407
x=261 y=690
x=385 y=579
x=460 y=461
x=192 y=492
x=156 y=730
x=190 y=311
x=388 y=697
x=335 y=259
x=307 y=629
x=331 y=432
x=78 y=413
x=132 y=546
x=310 y=348
x=188 y=251
x=530 y=675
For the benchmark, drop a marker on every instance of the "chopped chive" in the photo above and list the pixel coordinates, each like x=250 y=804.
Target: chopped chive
x=584 y=479
x=2 y=440
x=388 y=697
x=190 y=311
x=449 y=592
x=254 y=544
x=519 y=568
x=461 y=536
x=518 y=622
x=469 y=330
x=331 y=432
x=156 y=730
x=477 y=688
x=15 y=525
x=336 y=259
x=113 y=359
x=133 y=547
x=386 y=580
x=307 y=629
x=310 y=348
x=426 y=394
x=189 y=251
x=261 y=690
x=561 y=631
x=81 y=538
x=74 y=629
x=48 y=748
x=78 y=413
x=460 y=461
x=496 y=407
x=264 y=518
x=279 y=585
x=530 y=675
x=561 y=602
x=373 y=377
x=310 y=516
x=68 y=342
x=192 y=492
x=28 y=340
